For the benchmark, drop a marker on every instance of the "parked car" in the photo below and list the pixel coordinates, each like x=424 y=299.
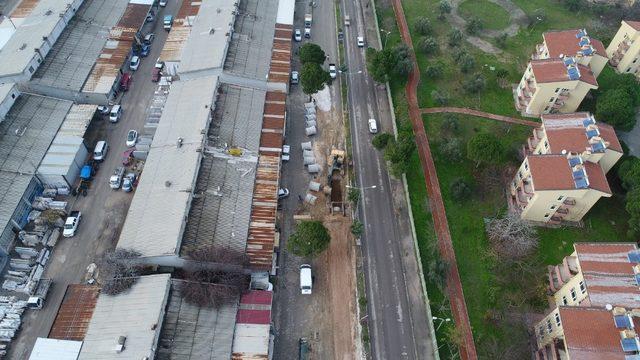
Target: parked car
x=156 y=73
x=150 y=17
x=148 y=39
x=103 y=109
x=283 y=193
x=373 y=126
x=333 y=72
x=125 y=81
x=360 y=41
x=100 y=151
x=167 y=22
x=128 y=182
x=115 y=181
x=286 y=150
x=306 y=281
x=307 y=33
x=71 y=224
x=144 y=50
x=163 y=3
x=159 y=64
x=134 y=63
x=295 y=77
x=115 y=114
x=132 y=138
x=297 y=35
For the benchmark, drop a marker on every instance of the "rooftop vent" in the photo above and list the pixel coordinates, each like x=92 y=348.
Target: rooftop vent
x=179 y=142
x=624 y=322
x=120 y=344
x=581 y=33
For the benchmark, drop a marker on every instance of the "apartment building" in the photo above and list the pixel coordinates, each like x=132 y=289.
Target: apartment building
x=576 y=43
x=576 y=133
x=553 y=86
x=564 y=171
x=597 y=274
x=624 y=50
x=583 y=333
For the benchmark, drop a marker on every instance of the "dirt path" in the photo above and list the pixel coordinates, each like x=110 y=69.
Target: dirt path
x=454 y=285
x=479 y=113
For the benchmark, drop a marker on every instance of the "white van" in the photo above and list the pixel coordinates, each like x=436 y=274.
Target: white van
x=100 y=150
x=306 y=283
x=115 y=114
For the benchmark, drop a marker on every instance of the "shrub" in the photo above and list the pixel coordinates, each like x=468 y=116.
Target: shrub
x=467 y=63
x=460 y=189
x=501 y=40
x=474 y=26
x=616 y=107
x=309 y=239
x=423 y=26
x=484 y=148
x=435 y=70
x=440 y=97
x=428 y=45
x=475 y=84
x=451 y=149
x=455 y=37
x=380 y=141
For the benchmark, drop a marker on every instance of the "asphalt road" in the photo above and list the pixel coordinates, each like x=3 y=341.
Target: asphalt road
x=103 y=209
x=396 y=307
x=297 y=315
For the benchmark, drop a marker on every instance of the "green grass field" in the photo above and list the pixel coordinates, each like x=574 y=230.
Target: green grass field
x=492 y=16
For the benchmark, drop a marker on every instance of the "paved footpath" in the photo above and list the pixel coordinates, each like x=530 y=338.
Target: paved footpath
x=454 y=285
x=479 y=113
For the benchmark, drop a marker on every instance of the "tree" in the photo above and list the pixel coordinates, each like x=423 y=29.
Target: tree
x=313 y=78
x=119 y=270
x=435 y=70
x=398 y=153
x=475 y=84
x=449 y=125
x=378 y=64
x=444 y=7
x=357 y=228
x=452 y=150
x=573 y=5
x=381 y=140
x=428 y=45
x=466 y=62
x=474 y=26
x=309 y=239
x=440 y=97
x=502 y=74
x=312 y=53
x=423 y=26
x=403 y=63
x=511 y=236
x=501 y=40
x=354 y=196
x=455 y=37
x=460 y=189
x=629 y=173
x=484 y=148
x=210 y=288
x=616 y=106
x=633 y=208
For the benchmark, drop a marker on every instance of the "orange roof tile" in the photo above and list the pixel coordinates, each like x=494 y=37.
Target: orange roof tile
x=599 y=340
x=567 y=132
x=566 y=43
x=552 y=172
x=634 y=24
x=554 y=70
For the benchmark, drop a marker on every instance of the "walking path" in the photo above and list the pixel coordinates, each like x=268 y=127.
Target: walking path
x=454 y=285
x=479 y=113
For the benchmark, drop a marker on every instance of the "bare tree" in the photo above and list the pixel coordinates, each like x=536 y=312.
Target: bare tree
x=218 y=254
x=119 y=270
x=213 y=288
x=512 y=236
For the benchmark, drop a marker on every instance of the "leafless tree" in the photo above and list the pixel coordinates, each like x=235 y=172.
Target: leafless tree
x=511 y=236
x=218 y=254
x=119 y=270
x=213 y=288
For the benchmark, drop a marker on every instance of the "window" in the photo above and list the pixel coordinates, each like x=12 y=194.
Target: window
x=13 y=96
x=564 y=300
x=546 y=109
x=557 y=90
x=519 y=175
x=526 y=166
x=557 y=316
x=553 y=207
x=546 y=145
x=574 y=296
x=560 y=198
x=635 y=60
x=628 y=69
x=583 y=287
x=547 y=215
x=549 y=327
x=39 y=60
x=551 y=100
x=31 y=69
x=541 y=331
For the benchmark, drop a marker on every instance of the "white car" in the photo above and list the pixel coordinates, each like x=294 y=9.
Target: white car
x=373 y=126
x=360 y=41
x=297 y=35
x=333 y=72
x=283 y=193
x=71 y=224
x=134 y=63
x=307 y=33
x=306 y=279
x=163 y=3
x=103 y=109
x=286 y=150
x=295 y=77
x=128 y=181
x=132 y=138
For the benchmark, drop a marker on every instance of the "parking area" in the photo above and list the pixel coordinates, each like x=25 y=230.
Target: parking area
x=103 y=209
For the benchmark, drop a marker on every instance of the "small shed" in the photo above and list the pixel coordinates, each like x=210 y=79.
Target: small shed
x=61 y=165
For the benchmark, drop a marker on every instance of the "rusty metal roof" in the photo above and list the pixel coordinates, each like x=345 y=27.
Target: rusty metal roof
x=116 y=50
x=280 y=66
x=24 y=8
x=180 y=30
x=75 y=312
x=262 y=228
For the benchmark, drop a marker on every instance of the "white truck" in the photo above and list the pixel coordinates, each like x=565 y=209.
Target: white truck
x=115 y=181
x=71 y=224
x=308 y=19
x=36 y=301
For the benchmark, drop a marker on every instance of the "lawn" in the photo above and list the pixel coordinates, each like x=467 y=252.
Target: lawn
x=492 y=16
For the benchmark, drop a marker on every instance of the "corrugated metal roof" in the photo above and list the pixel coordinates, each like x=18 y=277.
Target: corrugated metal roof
x=180 y=31
x=159 y=209
x=135 y=314
x=5 y=89
x=117 y=49
x=286 y=9
x=280 y=65
x=252 y=336
x=47 y=349
x=191 y=332
x=39 y=24
x=77 y=120
x=24 y=8
x=75 y=312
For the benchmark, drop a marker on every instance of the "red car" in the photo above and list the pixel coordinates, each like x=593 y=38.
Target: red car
x=125 y=81
x=155 y=74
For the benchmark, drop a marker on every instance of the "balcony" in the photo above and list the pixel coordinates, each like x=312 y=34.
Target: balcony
x=571 y=263
x=527 y=186
x=539 y=53
x=569 y=202
x=563 y=96
x=558 y=104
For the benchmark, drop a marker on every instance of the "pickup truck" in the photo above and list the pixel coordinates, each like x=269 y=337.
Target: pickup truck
x=71 y=224
x=115 y=181
x=36 y=301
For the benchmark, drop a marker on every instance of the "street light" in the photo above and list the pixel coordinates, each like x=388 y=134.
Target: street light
x=442 y=321
x=386 y=37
